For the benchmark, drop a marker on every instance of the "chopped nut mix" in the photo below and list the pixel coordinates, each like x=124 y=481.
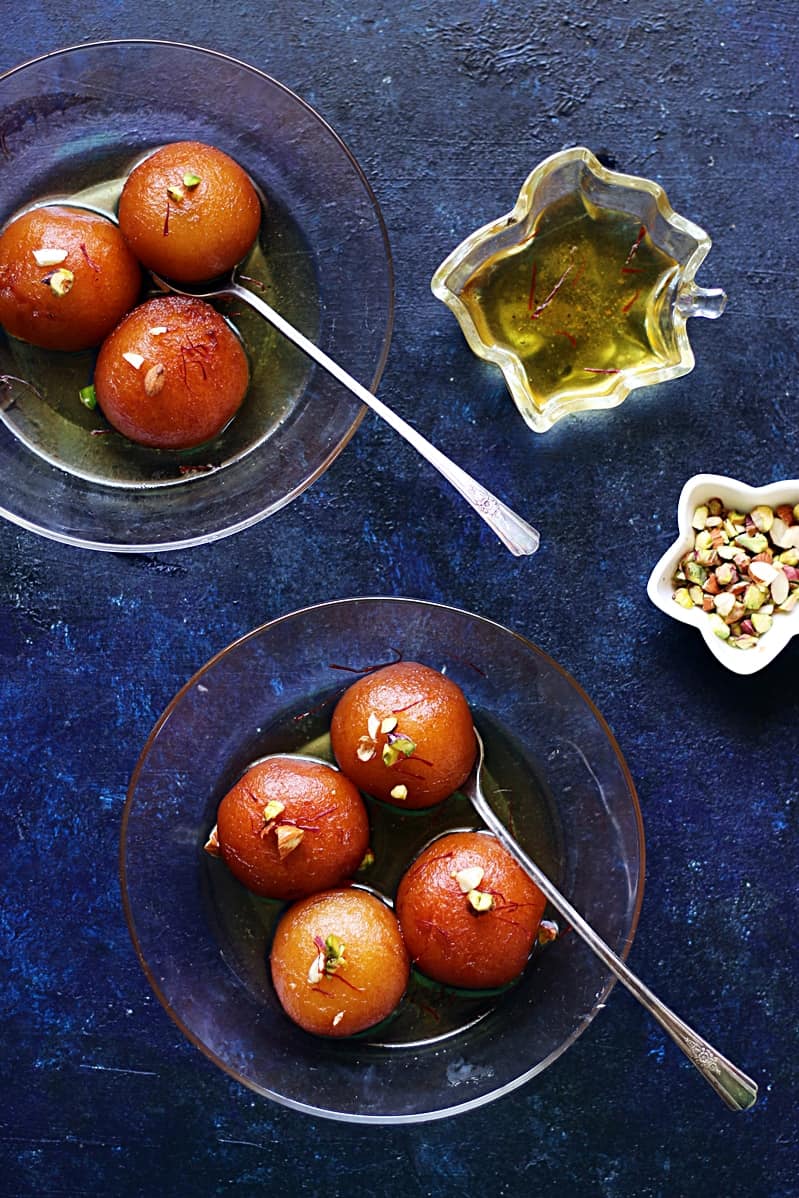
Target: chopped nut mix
x=742 y=569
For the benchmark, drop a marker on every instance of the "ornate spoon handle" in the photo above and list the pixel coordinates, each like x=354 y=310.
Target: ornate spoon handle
x=514 y=532
x=736 y=1089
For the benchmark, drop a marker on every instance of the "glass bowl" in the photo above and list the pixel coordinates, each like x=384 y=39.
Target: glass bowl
x=74 y=122
x=581 y=293
x=752 y=653
x=202 y=940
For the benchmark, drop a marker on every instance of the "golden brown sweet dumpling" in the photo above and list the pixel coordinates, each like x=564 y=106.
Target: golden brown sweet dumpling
x=338 y=962
x=290 y=827
x=189 y=212
x=468 y=912
x=172 y=374
x=404 y=734
x=66 y=277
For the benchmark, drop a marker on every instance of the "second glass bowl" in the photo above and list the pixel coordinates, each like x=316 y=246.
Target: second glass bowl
x=203 y=940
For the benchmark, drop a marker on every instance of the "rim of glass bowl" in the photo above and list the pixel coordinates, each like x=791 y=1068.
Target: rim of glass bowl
x=348 y=1117
x=219 y=534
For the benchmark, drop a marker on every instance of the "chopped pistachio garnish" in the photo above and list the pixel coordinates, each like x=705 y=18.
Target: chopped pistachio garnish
x=49 y=257
x=190 y=180
x=288 y=839
x=480 y=901
x=368 y=859
x=741 y=569
x=88 y=396
x=334 y=954
x=135 y=360
x=470 y=878
x=60 y=280
x=329 y=958
x=273 y=809
x=397 y=746
x=175 y=193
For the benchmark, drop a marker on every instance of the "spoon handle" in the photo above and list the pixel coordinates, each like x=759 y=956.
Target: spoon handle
x=736 y=1089
x=514 y=532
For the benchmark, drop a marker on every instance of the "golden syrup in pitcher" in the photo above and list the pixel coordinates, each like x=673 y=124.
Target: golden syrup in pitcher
x=579 y=302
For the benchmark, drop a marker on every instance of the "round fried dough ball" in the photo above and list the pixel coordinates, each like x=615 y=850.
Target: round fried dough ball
x=290 y=827
x=404 y=734
x=66 y=277
x=468 y=912
x=338 y=961
x=189 y=212
x=172 y=374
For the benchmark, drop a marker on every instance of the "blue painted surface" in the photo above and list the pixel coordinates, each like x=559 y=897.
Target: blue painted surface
x=447 y=107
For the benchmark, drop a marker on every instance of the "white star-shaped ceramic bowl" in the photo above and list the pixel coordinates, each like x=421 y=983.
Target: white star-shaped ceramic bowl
x=661 y=586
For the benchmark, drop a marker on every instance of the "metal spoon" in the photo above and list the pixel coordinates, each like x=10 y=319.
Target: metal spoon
x=514 y=532
x=737 y=1090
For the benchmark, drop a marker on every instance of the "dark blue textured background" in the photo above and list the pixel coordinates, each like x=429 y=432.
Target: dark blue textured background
x=447 y=106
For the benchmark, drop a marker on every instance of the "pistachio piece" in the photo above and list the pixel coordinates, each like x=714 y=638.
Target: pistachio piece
x=762 y=518
x=699 y=517
x=469 y=878
x=191 y=180
x=480 y=901
x=397 y=746
x=684 y=599
x=761 y=622
x=88 y=396
x=175 y=193
x=368 y=859
x=273 y=809
x=756 y=542
x=60 y=280
x=718 y=627
x=754 y=597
